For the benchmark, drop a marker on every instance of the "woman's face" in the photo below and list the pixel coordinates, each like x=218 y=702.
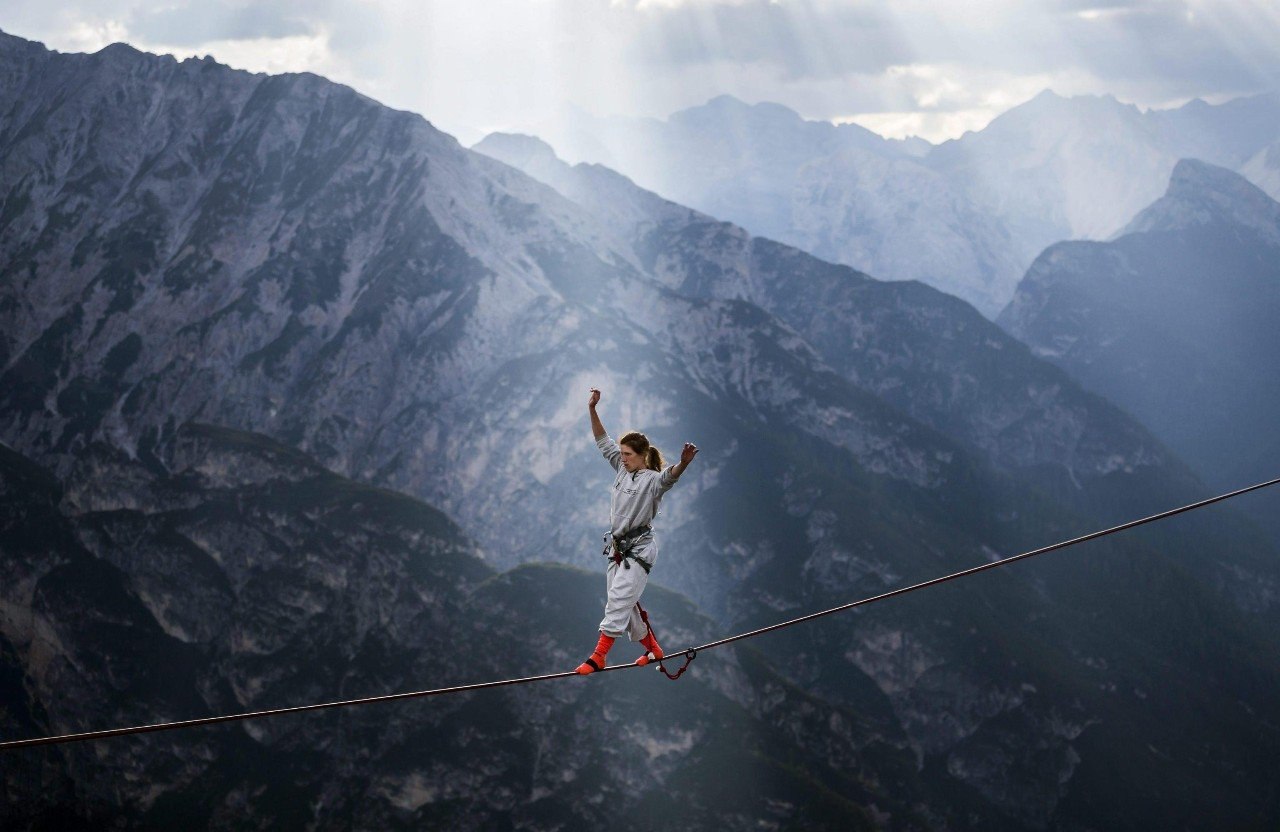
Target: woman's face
x=631 y=460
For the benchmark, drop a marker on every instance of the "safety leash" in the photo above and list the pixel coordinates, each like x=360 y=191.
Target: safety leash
x=689 y=655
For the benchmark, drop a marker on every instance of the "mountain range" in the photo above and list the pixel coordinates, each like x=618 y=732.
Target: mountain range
x=237 y=312
x=967 y=216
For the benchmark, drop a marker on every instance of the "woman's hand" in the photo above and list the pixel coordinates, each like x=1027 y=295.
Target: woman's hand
x=595 y=398
x=687 y=454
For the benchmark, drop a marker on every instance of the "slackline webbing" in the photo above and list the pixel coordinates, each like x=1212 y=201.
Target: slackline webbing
x=688 y=652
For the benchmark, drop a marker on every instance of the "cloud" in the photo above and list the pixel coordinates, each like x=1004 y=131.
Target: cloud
x=503 y=64
x=1170 y=50
x=798 y=39
x=1079 y=6
x=195 y=23
x=1149 y=46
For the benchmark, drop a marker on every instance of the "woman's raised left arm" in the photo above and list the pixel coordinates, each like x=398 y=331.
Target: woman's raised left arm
x=687 y=454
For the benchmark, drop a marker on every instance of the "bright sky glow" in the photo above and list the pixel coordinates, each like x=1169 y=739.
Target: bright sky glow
x=905 y=67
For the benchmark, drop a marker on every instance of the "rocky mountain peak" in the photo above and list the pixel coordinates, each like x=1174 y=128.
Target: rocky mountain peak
x=1201 y=194
x=1192 y=177
x=725 y=102
x=519 y=150
x=8 y=41
x=723 y=105
x=1050 y=113
x=122 y=54
x=118 y=48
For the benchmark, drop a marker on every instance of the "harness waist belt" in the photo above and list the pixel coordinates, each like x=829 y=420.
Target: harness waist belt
x=628 y=539
x=621 y=549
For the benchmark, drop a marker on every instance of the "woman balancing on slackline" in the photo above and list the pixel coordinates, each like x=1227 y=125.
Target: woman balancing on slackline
x=637 y=489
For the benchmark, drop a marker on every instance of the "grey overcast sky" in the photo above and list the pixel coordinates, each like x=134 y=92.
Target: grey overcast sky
x=932 y=68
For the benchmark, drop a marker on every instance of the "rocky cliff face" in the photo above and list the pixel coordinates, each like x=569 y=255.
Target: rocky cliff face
x=229 y=573
x=284 y=258
x=242 y=575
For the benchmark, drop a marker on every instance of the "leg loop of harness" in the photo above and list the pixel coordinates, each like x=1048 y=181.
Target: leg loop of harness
x=625 y=559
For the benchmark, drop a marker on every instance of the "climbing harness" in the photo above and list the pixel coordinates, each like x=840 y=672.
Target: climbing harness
x=689 y=653
x=625 y=559
x=618 y=548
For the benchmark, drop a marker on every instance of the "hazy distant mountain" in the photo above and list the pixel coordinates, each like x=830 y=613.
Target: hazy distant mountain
x=967 y=216
x=1058 y=168
x=1175 y=320
x=1263 y=169
x=279 y=256
x=839 y=192
x=1069 y=168
x=1225 y=134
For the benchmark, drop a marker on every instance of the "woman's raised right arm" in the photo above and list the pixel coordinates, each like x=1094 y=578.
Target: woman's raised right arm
x=607 y=446
x=597 y=427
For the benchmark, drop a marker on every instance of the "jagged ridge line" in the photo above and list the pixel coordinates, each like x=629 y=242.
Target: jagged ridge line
x=689 y=651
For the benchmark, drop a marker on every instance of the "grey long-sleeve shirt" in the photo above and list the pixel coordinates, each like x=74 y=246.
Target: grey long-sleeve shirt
x=635 y=495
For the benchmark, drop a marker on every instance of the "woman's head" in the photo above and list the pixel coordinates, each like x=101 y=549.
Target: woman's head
x=637 y=453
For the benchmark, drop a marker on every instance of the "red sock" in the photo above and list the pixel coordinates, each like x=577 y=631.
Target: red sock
x=596 y=662
x=651 y=647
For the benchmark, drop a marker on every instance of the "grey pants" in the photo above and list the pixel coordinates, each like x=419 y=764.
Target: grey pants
x=625 y=587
